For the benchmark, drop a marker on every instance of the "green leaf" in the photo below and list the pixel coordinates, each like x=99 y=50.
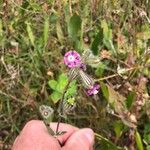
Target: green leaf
x=73 y=83
x=100 y=69
x=72 y=90
x=147 y=137
x=53 y=18
x=56 y=96
x=63 y=78
x=104 y=90
x=148 y=147
x=30 y=33
x=77 y=45
x=138 y=141
x=106 y=144
x=59 y=32
x=147 y=128
x=46 y=30
x=97 y=41
x=118 y=126
x=67 y=12
x=116 y=99
x=107 y=32
x=52 y=84
x=1 y=28
x=147 y=133
x=74 y=26
x=62 y=82
x=109 y=45
x=130 y=99
x=145 y=35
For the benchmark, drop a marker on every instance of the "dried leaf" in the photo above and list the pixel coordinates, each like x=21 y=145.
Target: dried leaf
x=116 y=100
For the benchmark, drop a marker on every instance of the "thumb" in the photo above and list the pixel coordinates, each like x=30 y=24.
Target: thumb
x=81 y=139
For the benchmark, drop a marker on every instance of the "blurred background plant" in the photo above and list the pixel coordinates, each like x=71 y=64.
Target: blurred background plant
x=34 y=36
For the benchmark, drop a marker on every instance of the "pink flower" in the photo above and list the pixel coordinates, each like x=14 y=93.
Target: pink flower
x=83 y=67
x=72 y=59
x=94 y=90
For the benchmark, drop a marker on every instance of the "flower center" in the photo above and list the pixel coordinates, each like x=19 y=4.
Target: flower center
x=95 y=92
x=71 y=58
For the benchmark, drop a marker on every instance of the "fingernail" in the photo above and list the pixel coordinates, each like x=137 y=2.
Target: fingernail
x=90 y=136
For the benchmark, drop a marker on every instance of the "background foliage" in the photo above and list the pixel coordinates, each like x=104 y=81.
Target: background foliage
x=35 y=34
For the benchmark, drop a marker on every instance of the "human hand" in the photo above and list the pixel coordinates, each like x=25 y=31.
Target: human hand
x=34 y=136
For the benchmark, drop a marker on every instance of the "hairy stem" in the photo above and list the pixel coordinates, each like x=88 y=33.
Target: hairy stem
x=61 y=108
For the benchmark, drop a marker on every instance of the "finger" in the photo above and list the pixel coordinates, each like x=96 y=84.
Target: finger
x=81 y=139
x=64 y=127
x=39 y=127
x=35 y=136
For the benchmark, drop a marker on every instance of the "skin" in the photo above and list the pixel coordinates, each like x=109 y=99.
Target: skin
x=34 y=136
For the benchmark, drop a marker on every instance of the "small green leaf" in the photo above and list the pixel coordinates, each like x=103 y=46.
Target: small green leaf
x=97 y=41
x=77 y=45
x=67 y=12
x=104 y=90
x=63 y=78
x=59 y=32
x=109 y=45
x=118 y=126
x=107 y=32
x=138 y=141
x=62 y=82
x=30 y=33
x=147 y=133
x=147 y=137
x=55 y=96
x=72 y=90
x=73 y=83
x=52 y=84
x=147 y=128
x=1 y=28
x=100 y=69
x=145 y=35
x=46 y=30
x=53 y=18
x=74 y=26
x=130 y=99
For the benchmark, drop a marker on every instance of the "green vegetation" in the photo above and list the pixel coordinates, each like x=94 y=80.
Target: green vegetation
x=34 y=36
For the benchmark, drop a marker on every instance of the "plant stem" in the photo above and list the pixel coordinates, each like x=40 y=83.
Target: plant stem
x=49 y=129
x=116 y=74
x=61 y=108
x=99 y=137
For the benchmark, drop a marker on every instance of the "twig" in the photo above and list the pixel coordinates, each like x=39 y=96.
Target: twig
x=108 y=77
x=116 y=74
